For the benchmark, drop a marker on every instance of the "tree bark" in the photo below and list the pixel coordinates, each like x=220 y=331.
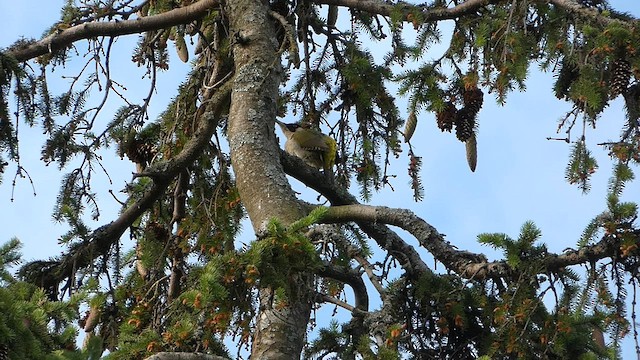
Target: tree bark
x=262 y=184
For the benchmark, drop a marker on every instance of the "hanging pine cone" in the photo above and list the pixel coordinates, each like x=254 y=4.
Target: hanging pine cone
x=465 y=122
x=471 y=146
x=446 y=117
x=410 y=127
x=4 y=352
x=620 y=75
x=472 y=99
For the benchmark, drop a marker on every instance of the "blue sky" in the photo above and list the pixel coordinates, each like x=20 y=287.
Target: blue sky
x=520 y=174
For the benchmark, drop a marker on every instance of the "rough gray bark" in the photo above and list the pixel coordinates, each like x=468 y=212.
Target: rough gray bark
x=263 y=187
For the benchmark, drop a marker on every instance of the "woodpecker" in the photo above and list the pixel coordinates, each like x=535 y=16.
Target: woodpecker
x=315 y=148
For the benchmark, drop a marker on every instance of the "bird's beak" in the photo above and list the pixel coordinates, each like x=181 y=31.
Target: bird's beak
x=286 y=129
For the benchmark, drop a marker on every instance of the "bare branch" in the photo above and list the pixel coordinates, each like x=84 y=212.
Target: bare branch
x=577 y=8
x=368 y=269
x=342 y=304
x=348 y=277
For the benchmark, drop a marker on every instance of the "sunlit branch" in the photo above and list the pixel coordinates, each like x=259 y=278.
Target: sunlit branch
x=429 y=14
x=464 y=263
x=64 y=38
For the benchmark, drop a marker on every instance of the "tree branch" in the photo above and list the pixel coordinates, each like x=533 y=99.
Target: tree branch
x=370 y=219
x=198 y=9
x=464 y=263
x=404 y=253
x=82 y=254
x=583 y=11
x=429 y=14
x=342 y=304
x=347 y=276
x=64 y=38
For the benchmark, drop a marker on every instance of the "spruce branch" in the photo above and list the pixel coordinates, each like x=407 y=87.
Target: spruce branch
x=431 y=14
x=464 y=263
x=61 y=39
x=406 y=255
x=82 y=254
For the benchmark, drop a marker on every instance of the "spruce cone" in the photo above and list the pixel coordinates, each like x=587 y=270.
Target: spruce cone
x=92 y=319
x=410 y=127
x=446 y=117
x=620 y=75
x=471 y=146
x=473 y=99
x=465 y=122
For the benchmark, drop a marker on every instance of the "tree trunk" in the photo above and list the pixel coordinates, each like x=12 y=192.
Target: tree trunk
x=263 y=187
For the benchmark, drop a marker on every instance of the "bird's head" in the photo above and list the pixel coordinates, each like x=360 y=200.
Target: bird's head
x=289 y=128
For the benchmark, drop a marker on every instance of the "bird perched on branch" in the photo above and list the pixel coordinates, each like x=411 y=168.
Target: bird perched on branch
x=315 y=148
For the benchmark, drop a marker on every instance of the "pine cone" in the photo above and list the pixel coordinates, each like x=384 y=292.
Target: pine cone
x=446 y=117
x=465 y=122
x=620 y=75
x=472 y=99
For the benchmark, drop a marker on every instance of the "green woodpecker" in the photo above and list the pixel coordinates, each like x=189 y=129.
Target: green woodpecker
x=315 y=148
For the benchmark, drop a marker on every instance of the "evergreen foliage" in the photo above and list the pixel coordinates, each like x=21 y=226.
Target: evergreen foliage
x=183 y=282
x=31 y=325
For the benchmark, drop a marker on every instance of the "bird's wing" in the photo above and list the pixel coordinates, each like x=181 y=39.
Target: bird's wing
x=311 y=143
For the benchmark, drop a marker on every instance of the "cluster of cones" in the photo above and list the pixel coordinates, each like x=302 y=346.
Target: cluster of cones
x=464 y=120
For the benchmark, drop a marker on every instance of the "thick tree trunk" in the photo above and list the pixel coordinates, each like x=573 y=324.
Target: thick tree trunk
x=281 y=331
x=263 y=187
